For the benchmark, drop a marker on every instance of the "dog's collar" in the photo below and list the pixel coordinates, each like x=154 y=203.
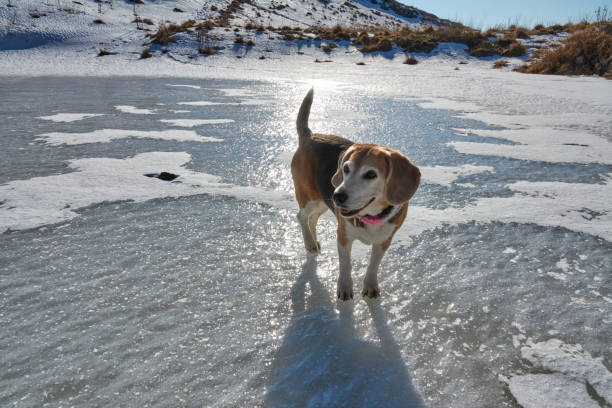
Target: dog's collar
x=385 y=215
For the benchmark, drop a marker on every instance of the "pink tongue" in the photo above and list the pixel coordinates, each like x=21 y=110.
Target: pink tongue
x=369 y=220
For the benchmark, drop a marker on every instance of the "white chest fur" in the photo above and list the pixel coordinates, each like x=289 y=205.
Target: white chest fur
x=370 y=234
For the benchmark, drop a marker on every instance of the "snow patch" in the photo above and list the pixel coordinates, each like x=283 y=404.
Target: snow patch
x=107 y=135
x=571 y=366
x=134 y=110
x=541 y=152
x=549 y=204
x=550 y=390
x=446 y=175
x=201 y=103
x=194 y=122
x=46 y=200
x=69 y=117
x=563 y=265
x=558 y=276
x=185 y=86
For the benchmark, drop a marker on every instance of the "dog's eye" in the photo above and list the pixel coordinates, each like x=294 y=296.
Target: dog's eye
x=370 y=175
x=346 y=169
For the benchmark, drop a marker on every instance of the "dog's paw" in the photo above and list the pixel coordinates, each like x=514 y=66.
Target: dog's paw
x=345 y=290
x=314 y=248
x=370 y=290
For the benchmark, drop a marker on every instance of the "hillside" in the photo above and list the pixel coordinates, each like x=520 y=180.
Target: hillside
x=29 y=23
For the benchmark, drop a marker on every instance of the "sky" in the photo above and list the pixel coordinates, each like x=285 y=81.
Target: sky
x=484 y=14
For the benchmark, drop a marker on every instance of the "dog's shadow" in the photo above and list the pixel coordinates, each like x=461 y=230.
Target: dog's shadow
x=323 y=362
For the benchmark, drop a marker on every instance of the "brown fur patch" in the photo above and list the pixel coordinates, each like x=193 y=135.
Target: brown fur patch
x=342 y=236
x=303 y=173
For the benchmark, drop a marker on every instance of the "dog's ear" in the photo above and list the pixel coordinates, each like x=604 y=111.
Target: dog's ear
x=403 y=179
x=338 y=177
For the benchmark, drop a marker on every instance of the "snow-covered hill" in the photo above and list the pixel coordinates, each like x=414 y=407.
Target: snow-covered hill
x=32 y=23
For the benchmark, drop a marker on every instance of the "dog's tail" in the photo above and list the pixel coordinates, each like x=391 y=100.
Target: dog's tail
x=304 y=132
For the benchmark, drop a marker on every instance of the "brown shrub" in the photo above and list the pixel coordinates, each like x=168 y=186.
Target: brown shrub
x=188 y=24
x=504 y=41
x=587 y=52
x=411 y=61
x=143 y=20
x=99 y=21
x=382 y=45
x=165 y=34
x=102 y=52
x=484 y=51
x=145 y=54
x=500 y=64
x=521 y=32
x=206 y=25
x=329 y=47
x=515 y=50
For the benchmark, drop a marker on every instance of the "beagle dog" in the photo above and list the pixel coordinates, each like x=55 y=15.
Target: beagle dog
x=367 y=186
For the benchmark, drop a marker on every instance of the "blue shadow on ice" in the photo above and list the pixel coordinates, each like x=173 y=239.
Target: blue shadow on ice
x=323 y=362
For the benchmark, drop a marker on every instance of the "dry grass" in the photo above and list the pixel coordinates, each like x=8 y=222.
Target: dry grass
x=411 y=61
x=586 y=52
x=145 y=54
x=165 y=32
x=143 y=20
x=426 y=40
x=329 y=47
x=223 y=19
x=516 y=49
x=500 y=64
x=102 y=52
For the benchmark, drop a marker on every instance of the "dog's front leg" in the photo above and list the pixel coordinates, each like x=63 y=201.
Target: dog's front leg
x=345 y=281
x=370 y=282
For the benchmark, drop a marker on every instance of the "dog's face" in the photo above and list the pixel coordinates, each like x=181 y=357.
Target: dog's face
x=371 y=177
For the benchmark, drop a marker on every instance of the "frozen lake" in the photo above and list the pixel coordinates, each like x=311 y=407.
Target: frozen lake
x=118 y=289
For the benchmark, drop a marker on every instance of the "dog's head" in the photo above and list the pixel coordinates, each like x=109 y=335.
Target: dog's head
x=369 y=178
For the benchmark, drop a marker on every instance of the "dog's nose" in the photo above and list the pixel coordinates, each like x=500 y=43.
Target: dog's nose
x=340 y=197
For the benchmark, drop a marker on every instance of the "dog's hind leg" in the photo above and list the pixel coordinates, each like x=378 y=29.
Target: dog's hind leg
x=308 y=217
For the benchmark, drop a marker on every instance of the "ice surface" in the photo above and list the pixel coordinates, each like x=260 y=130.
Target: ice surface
x=107 y=135
x=209 y=299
